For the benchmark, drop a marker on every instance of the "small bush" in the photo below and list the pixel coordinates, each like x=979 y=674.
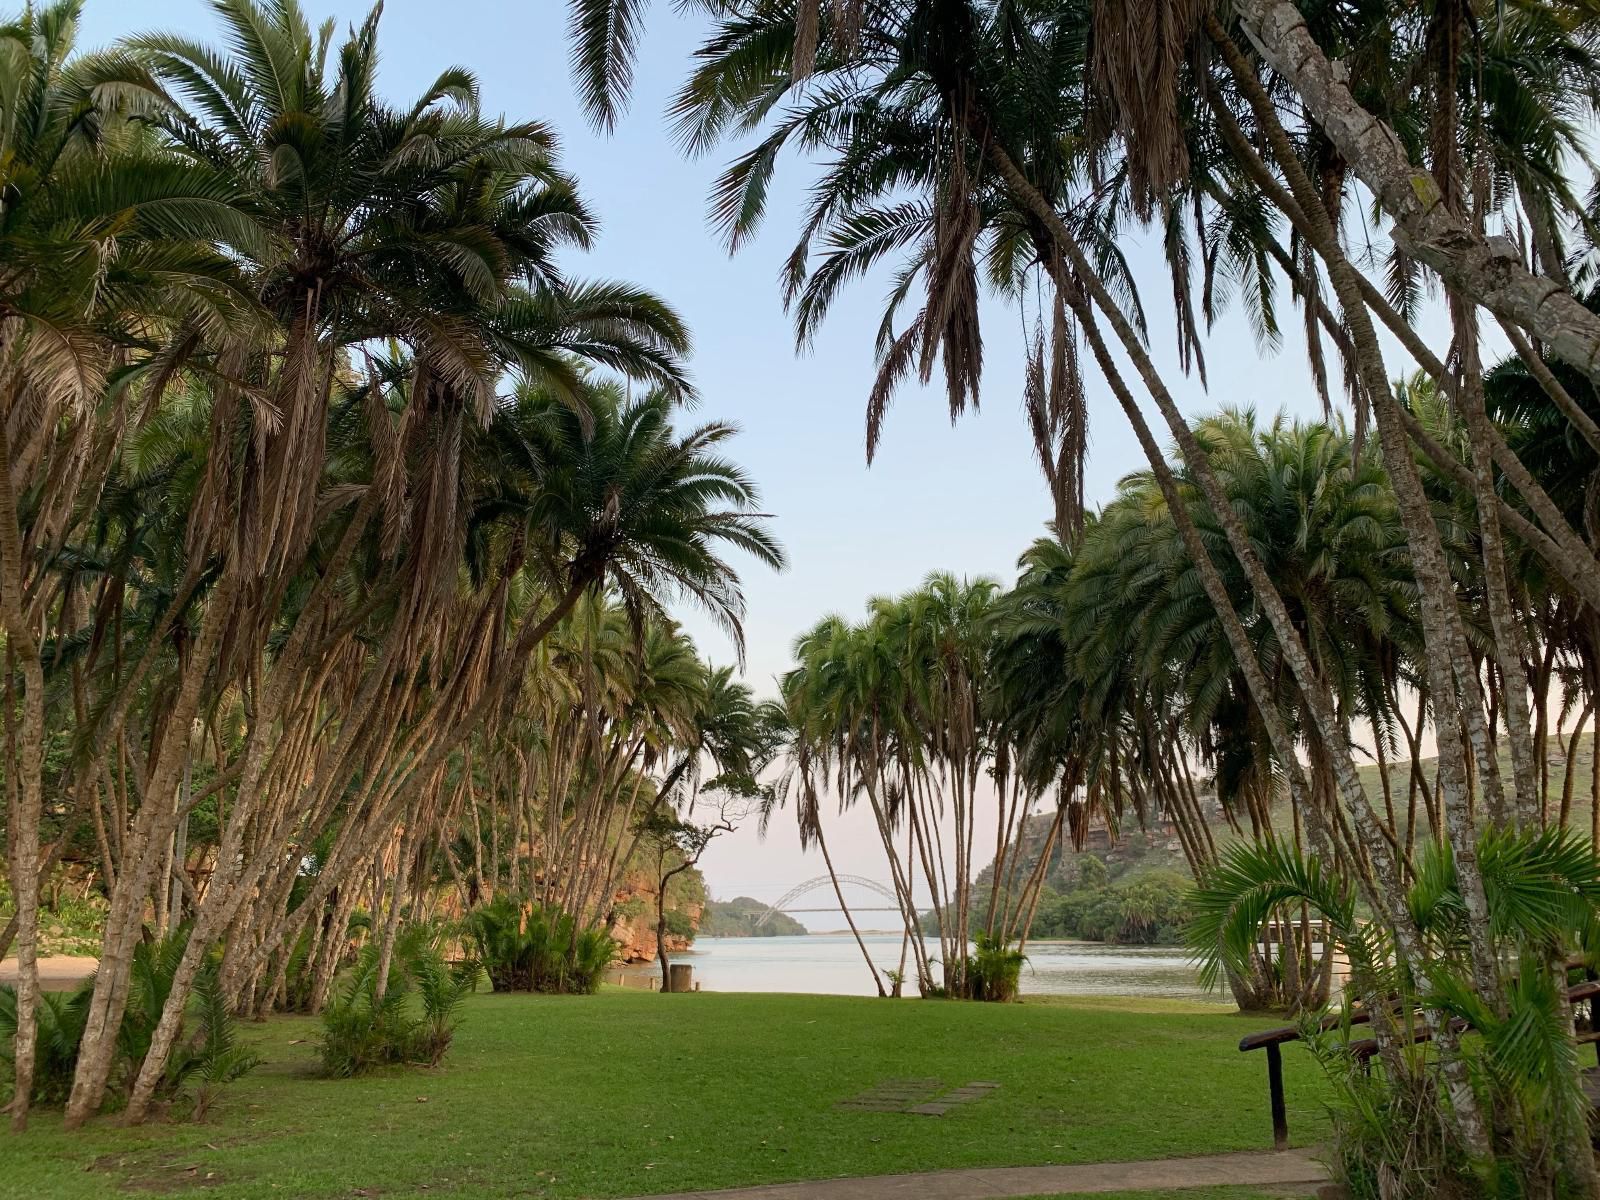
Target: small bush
x=62 y=1018
x=213 y=1057
x=995 y=970
x=361 y=1030
x=538 y=949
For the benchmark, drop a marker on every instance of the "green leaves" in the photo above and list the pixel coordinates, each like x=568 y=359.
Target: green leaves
x=1239 y=895
x=605 y=35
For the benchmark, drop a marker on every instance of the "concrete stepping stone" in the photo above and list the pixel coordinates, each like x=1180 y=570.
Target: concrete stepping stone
x=923 y=1097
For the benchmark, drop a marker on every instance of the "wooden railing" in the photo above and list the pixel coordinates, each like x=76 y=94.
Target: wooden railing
x=1272 y=1041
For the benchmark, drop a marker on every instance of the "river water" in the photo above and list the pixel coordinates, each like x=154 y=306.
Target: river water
x=831 y=963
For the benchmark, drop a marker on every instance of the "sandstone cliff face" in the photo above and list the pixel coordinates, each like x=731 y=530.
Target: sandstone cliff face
x=634 y=926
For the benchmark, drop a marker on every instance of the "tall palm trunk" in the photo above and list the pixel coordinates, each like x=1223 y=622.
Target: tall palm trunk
x=25 y=785
x=1489 y=270
x=1389 y=898
x=1452 y=679
x=155 y=822
x=838 y=892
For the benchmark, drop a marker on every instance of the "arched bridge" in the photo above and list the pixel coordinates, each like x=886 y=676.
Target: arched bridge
x=825 y=881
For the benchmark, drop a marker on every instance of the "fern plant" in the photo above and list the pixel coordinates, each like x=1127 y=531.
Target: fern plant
x=995 y=969
x=213 y=1057
x=62 y=1017
x=209 y=1054
x=538 y=949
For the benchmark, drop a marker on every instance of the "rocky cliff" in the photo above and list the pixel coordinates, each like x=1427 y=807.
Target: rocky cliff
x=633 y=921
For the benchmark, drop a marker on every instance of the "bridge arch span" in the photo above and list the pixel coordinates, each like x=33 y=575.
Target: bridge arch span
x=825 y=881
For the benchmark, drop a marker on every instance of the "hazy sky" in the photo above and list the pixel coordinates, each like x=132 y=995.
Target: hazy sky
x=966 y=499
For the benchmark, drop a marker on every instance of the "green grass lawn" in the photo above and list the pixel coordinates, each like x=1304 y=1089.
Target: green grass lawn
x=632 y=1092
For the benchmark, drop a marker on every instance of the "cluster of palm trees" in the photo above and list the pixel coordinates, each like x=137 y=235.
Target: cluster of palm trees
x=336 y=521
x=1353 y=159
x=322 y=479
x=899 y=711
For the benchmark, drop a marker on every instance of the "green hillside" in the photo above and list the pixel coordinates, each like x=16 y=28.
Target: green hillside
x=738 y=917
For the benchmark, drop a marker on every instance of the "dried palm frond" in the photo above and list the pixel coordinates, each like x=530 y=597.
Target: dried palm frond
x=1137 y=54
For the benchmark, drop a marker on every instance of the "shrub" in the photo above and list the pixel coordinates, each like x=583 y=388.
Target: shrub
x=206 y=1052
x=361 y=1030
x=538 y=949
x=213 y=1057
x=62 y=1017
x=995 y=969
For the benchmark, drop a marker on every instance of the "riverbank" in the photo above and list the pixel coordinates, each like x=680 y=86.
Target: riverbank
x=831 y=964
x=629 y=1093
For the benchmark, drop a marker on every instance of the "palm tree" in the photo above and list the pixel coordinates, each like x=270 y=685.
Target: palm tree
x=104 y=242
x=1542 y=891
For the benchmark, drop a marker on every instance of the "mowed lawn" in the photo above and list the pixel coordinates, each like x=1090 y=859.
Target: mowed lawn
x=632 y=1092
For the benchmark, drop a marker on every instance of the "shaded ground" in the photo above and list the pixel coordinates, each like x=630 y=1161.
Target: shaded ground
x=631 y=1093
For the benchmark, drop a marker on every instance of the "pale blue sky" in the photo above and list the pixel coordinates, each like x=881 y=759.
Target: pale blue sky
x=966 y=499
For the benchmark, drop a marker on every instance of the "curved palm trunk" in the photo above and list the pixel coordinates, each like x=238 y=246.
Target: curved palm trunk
x=155 y=822
x=1490 y=271
x=1389 y=897
x=1452 y=678
x=822 y=844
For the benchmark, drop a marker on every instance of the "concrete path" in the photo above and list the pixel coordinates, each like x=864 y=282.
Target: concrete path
x=1291 y=1169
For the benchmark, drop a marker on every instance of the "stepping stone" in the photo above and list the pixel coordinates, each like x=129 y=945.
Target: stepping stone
x=894 y=1095
x=921 y=1097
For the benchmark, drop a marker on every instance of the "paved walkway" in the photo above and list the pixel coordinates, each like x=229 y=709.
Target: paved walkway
x=1291 y=1169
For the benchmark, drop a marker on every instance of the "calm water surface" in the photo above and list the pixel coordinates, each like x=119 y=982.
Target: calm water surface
x=832 y=964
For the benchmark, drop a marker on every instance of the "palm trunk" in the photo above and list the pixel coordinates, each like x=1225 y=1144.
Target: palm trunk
x=1389 y=897
x=123 y=920
x=827 y=859
x=1490 y=271
x=1452 y=678
x=24 y=782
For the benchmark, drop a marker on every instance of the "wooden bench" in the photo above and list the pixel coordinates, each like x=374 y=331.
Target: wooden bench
x=1272 y=1041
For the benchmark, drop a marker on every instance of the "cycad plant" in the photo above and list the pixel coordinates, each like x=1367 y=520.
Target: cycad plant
x=369 y=1026
x=209 y=1053
x=214 y=1057
x=61 y=1017
x=995 y=969
x=538 y=948
x=1513 y=1054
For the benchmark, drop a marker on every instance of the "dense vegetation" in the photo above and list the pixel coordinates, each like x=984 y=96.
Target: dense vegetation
x=335 y=534
x=337 y=521
x=1267 y=600
x=1151 y=909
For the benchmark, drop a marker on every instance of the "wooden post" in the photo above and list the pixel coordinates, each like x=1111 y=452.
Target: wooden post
x=1280 y=1117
